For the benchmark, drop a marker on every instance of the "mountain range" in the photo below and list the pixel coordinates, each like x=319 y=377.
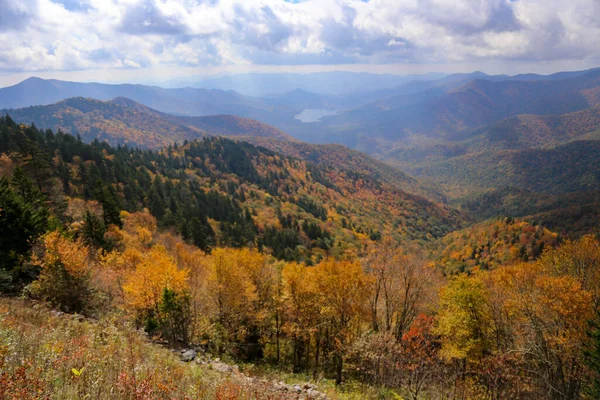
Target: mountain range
x=495 y=145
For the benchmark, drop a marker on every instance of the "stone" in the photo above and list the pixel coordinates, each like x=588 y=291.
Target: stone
x=188 y=355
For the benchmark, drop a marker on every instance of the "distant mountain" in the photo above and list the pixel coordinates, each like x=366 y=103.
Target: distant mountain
x=453 y=109
x=117 y=122
x=571 y=167
x=558 y=186
x=523 y=131
x=124 y=121
x=330 y=83
x=185 y=101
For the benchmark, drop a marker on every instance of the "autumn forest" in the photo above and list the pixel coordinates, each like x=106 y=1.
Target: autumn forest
x=279 y=265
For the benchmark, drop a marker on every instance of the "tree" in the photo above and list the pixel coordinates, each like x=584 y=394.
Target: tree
x=201 y=234
x=20 y=224
x=464 y=319
x=144 y=287
x=107 y=196
x=93 y=231
x=302 y=314
x=175 y=316
x=344 y=290
x=401 y=287
x=66 y=274
x=233 y=293
x=592 y=357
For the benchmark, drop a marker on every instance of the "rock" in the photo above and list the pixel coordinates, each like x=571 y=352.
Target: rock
x=221 y=367
x=188 y=355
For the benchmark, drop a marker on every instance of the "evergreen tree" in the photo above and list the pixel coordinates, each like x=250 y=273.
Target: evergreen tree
x=20 y=224
x=93 y=230
x=201 y=233
x=107 y=196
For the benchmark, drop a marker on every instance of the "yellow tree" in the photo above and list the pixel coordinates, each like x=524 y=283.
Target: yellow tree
x=301 y=312
x=579 y=259
x=232 y=291
x=464 y=319
x=344 y=291
x=66 y=273
x=144 y=286
x=550 y=315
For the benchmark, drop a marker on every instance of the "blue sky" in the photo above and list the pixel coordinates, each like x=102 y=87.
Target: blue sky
x=152 y=40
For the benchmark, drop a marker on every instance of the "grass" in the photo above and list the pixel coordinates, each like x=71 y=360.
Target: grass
x=48 y=355
x=45 y=354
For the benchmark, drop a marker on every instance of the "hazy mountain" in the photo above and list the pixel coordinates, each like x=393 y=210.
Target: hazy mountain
x=232 y=126
x=527 y=130
x=558 y=186
x=567 y=168
x=185 y=101
x=445 y=111
x=330 y=83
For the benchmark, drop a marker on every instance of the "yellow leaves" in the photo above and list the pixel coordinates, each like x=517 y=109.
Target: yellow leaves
x=231 y=282
x=528 y=306
x=73 y=255
x=464 y=318
x=157 y=271
x=343 y=285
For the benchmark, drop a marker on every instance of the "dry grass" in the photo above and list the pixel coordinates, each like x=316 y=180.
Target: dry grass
x=48 y=355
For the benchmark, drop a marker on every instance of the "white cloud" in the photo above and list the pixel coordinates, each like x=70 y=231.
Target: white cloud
x=60 y=35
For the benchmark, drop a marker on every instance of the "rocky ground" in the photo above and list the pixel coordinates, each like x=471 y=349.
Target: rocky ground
x=279 y=389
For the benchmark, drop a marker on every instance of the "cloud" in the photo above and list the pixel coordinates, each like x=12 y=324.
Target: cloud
x=61 y=35
x=147 y=18
x=15 y=15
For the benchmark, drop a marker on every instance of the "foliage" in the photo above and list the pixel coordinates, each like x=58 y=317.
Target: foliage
x=21 y=222
x=492 y=243
x=66 y=274
x=218 y=192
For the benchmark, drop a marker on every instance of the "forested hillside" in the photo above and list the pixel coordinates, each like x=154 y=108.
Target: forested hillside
x=490 y=244
x=335 y=155
x=218 y=192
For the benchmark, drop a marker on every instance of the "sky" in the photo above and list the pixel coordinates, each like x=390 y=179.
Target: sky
x=156 y=40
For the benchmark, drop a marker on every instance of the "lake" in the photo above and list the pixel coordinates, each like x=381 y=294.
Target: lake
x=314 y=114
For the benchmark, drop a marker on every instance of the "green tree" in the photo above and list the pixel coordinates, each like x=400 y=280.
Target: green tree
x=20 y=224
x=93 y=231
x=175 y=316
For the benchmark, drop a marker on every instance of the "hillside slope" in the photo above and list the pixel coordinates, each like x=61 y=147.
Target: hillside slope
x=567 y=168
x=292 y=208
x=539 y=131
x=231 y=126
x=338 y=156
x=124 y=121
x=117 y=122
